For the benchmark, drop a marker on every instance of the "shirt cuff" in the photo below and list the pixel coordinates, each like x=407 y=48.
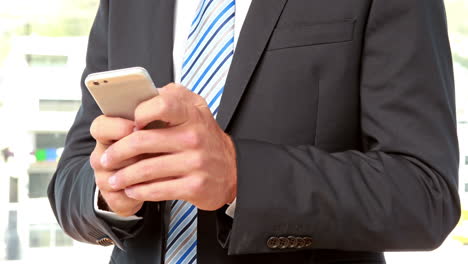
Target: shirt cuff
x=231 y=209
x=110 y=215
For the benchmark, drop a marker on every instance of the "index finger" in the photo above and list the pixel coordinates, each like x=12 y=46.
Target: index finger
x=170 y=106
x=107 y=130
x=141 y=142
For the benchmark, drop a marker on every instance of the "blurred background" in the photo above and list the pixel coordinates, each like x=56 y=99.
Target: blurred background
x=42 y=52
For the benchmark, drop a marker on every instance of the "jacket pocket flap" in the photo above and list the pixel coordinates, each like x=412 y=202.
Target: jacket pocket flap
x=306 y=35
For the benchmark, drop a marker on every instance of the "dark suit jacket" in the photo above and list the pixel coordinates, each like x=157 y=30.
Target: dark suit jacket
x=343 y=117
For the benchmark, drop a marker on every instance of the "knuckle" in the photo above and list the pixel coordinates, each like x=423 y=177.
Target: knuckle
x=111 y=154
x=199 y=113
x=145 y=109
x=164 y=104
x=200 y=100
x=121 y=179
x=126 y=128
x=96 y=127
x=101 y=183
x=192 y=138
x=117 y=203
x=110 y=199
x=197 y=161
x=180 y=88
x=196 y=187
x=170 y=85
x=176 y=91
x=144 y=170
x=139 y=112
x=175 y=88
x=119 y=209
x=95 y=161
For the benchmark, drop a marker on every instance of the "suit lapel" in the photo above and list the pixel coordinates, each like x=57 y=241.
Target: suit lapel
x=162 y=42
x=256 y=31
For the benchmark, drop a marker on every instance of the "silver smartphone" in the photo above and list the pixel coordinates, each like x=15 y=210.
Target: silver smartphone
x=119 y=92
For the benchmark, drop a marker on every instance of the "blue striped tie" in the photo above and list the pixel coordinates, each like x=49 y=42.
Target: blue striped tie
x=208 y=56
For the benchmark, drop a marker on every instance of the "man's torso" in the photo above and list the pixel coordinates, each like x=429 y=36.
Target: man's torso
x=294 y=80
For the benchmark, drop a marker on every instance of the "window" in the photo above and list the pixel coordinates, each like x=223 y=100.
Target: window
x=35 y=60
x=12 y=237
x=59 y=105
x=48 y=235
x=39 y=236
x=13 y=190
x=50 y=140
x=38 y=182
x=61 y=239
x=49 y=146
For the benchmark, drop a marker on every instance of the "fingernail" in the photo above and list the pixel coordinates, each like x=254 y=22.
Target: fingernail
x=130 y=192
x=113 y=181
x=104 y=159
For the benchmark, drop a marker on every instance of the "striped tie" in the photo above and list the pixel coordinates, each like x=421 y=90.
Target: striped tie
x=208 y=56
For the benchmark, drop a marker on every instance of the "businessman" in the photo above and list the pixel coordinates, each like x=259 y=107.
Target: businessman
x=297 y=131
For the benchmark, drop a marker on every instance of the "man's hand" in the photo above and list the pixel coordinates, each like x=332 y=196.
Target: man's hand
x=195 y=160
x=106 y=131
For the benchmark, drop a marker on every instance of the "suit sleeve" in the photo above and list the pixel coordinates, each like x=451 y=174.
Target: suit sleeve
x=71 y=190
x=400 y=191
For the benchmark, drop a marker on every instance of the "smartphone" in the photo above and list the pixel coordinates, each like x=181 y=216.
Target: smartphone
x=119 y=92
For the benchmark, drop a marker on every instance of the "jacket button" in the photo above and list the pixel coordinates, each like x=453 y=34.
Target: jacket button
x=308 y=242
x=300 y=242
x=273 y=242
x=292 y=242
x=283 y=242
x=105 y=241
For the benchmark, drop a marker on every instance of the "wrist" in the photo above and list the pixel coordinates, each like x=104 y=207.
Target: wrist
x=232 y=170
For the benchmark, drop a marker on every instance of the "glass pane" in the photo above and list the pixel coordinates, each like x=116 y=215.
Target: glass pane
x=13 y=190
x=38 y=183
x=59 y=105
x=50 y=140
x=13 y=246
x=35 y=60
x=39 y=236
x=62 y=240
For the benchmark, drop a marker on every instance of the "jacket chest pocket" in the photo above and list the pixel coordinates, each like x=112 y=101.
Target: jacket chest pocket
x=290 y=36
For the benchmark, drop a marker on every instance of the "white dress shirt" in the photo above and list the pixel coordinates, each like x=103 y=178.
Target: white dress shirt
x=184 y=13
